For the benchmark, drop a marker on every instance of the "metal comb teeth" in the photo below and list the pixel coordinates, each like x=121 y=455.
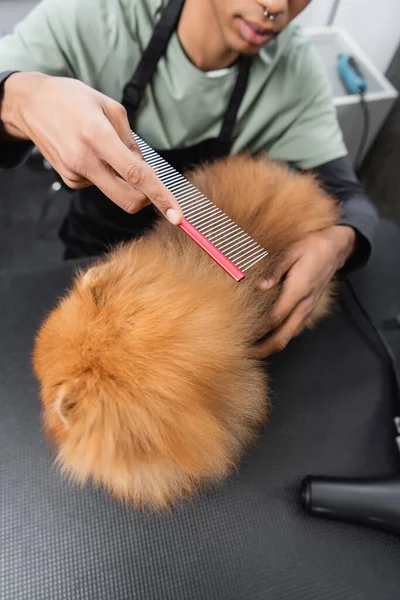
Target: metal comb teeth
x=228 y=244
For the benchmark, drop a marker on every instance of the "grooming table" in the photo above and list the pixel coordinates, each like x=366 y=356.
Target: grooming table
x=333 y=406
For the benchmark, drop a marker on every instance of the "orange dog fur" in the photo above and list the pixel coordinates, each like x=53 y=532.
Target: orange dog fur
x=148 y=383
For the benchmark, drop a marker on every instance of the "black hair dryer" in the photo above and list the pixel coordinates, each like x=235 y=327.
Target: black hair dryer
x=373 y=502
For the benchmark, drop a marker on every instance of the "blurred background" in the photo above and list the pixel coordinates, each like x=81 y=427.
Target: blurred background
x=374 y=26
x=32 y=205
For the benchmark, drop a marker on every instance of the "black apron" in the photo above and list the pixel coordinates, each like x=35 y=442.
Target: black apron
x=94 y=223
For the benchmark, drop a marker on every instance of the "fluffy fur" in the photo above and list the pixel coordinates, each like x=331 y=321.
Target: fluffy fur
x=147 y=379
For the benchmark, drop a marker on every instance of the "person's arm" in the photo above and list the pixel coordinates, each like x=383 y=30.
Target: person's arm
x=83 y=134
x=339 y=179
x=13 y=152
x=309 y=265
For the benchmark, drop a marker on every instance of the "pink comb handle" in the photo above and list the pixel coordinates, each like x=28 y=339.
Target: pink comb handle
x=211 y=250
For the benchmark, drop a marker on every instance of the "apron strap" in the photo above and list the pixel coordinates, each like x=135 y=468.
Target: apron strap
x=134 y=89
x=236 y=99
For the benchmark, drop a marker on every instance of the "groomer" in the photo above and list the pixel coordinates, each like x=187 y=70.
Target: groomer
x=197 y=79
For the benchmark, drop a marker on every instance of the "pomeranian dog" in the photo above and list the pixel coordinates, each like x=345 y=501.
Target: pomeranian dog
x=148 y=380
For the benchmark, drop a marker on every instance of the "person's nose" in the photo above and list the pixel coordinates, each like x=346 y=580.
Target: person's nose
x=273 y=7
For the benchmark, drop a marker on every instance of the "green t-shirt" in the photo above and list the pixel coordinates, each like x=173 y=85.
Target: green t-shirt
x=287 y=108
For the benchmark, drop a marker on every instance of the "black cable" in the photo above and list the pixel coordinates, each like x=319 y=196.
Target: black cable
x=365 y=132
x=379 y=337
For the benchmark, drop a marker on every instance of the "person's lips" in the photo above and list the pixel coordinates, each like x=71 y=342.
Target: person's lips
x=254 y=33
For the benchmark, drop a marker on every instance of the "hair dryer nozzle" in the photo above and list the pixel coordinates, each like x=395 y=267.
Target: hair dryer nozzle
x=373 y=502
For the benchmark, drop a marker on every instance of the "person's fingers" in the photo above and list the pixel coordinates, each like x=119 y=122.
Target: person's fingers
x=118 y=190
x=74 y=180
x=282 y=336
x=71 y=179
x=76 y=183
x=118 y=117
x=137 y=173
x=295 y=289
x=284 y=265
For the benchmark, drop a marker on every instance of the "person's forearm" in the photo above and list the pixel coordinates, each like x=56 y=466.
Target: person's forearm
x=5 y=136
x=16 y=90
x=13 y=149
x=346 y=242
x=358 y=212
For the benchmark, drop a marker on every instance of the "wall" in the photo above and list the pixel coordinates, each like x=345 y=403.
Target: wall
x=373 y=24
x=11 y=11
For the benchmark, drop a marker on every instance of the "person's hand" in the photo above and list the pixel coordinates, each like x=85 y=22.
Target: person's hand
x=86 y=138
x=307 y=267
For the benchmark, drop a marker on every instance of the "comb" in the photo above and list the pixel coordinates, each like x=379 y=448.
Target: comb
x=218 y=235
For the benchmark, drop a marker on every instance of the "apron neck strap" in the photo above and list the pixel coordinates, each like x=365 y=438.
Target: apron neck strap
x=236 y=99
x=134 y=89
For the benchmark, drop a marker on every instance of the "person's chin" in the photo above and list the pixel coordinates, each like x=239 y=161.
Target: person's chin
x=251 y=50
x=243 y=47
x=246 y=42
